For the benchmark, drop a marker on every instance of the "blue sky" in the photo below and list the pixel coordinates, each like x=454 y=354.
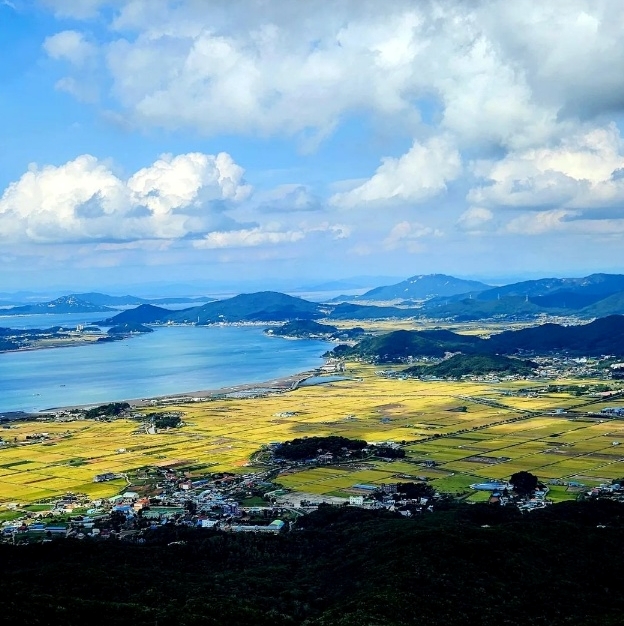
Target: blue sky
x=276 y=141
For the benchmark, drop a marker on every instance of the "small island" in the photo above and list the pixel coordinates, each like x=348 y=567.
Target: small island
x=309 y=329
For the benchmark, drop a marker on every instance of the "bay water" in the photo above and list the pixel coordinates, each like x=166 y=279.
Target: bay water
x=171 y=360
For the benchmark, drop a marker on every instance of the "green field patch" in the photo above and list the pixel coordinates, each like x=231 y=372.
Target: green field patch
x=559 y=493
x=478 y=496
x=458 y=483
x=339 y=494
x=9 y=516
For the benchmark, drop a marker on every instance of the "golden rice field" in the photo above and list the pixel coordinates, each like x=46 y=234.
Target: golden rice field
x=467 y=447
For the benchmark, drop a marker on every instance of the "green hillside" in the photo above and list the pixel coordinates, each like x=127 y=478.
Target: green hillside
x=474 y=365
x=402 y=345
x=604 y=336
x=460 y=566
x=264 y=306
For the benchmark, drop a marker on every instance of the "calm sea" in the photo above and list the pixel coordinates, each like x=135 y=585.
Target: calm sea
x=170 y=360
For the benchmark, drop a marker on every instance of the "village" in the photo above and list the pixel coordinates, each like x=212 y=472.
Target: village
x=228 y=502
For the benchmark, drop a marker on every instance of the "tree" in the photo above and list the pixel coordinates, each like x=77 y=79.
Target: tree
x=524 y=483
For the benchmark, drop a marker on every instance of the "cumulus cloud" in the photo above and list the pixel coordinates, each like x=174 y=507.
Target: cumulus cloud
x=538 y=223
x=504 y=85
x=83 y=200
x=409 y=235
x=69 y=45
x=420 y=173
x=511 y=74
x=247 y=238
x=581 y=172
x=269 y=234
x=475 y=219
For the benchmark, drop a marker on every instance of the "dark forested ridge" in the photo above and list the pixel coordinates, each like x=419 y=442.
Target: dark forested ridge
x=600 y=337
x=474 y=365
x=478 y=564
x=401 y=345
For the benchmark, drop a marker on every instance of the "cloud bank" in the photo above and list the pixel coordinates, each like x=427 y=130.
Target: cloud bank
x=84 y=200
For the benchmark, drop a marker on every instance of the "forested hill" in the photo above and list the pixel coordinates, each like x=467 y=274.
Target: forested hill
x=310 y=329
x=401 y=345
x=600 y=337
x=264 y=306
x=143 y=314
x=474 y=365
x=466 y=565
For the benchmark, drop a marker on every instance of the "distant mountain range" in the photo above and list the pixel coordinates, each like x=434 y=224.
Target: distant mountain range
x=593 y=296
x=97 y=299
x=418 y=288
x=64 y=304
x=595 y=284
x=446 y=297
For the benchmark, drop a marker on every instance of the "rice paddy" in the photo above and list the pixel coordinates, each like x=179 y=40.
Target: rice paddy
x=454 y=434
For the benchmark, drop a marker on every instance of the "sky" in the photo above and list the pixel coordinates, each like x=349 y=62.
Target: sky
x=273 y=141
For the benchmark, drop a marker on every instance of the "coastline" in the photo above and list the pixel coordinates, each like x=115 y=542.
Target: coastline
x=276 y=385
x=192 y=390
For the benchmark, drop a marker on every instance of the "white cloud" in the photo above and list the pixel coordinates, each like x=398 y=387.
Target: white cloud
x=566 y=223
x=84 y=92
x=419 y=174
x=511 y=74
x=271 y=69
x=69 y=45
x=269 y=234
x=409 y=235
x=538 y=223
x=582 y=172
x=247 y=238
x=84 y=200
x=533 y=84
x=475 y=219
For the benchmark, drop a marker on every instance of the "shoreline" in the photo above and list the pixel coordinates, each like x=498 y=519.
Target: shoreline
x=276 y=385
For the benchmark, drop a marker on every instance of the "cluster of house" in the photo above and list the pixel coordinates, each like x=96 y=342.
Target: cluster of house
x=614 y=411
x=503 y=494
x=213 y=502
x=614 y=491
x=569 y=367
